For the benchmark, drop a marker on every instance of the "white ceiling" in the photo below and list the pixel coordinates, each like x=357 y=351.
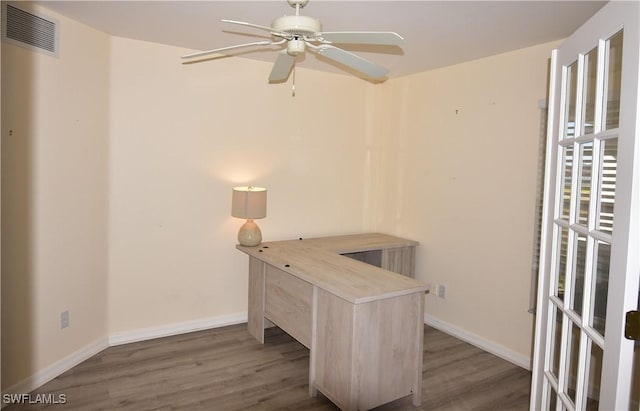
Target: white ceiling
x=437 y=33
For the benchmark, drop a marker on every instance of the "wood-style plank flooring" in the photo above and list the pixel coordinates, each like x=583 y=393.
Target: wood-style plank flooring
x=226 y=369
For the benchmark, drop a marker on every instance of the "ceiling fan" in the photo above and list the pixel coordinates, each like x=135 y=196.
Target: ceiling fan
x=298 y=33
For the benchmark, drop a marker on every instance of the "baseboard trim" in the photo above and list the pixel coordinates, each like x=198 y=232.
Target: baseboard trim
x=176 y=328
x=47 y=374
x=474 y=339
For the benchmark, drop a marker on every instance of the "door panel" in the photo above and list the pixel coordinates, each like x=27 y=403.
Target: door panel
x=591 y=230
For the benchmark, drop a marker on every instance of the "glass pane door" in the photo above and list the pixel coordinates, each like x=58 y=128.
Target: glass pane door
x=583 y=223
x=591 y=232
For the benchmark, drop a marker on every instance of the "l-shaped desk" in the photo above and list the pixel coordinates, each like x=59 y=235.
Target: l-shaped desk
x=362 y=323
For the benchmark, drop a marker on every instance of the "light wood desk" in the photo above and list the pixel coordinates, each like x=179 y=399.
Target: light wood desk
x=363 y=324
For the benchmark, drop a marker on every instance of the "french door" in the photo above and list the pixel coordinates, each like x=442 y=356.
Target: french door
x=590 y=255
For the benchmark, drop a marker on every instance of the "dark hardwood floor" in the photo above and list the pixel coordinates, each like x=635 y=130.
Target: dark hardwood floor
x=226 y=369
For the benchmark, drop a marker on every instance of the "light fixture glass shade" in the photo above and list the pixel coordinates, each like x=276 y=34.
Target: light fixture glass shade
x=250 y=203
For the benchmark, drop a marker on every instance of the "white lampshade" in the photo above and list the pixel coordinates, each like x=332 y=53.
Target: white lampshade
x=249 y=202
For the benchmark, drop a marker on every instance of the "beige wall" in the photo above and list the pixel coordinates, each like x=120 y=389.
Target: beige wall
x=54 y=199
x=181 y=137
x=462 y=182
x=120 y=171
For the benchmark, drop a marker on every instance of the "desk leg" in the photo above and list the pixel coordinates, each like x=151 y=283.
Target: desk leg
x=313 y=391
x=255 y=317
x=417 y=384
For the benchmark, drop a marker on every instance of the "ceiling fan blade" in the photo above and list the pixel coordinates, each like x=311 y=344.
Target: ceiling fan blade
x=257 y=26
x=351 y=60
x=385 y=38
x=206 y=53
x=282 y=67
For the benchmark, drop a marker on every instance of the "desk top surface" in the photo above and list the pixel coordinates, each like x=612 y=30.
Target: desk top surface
x=319 y=262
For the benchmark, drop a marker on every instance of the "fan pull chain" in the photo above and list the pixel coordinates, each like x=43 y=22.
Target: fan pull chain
x=293 y=85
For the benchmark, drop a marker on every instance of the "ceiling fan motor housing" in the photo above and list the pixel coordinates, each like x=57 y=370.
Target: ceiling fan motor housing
x=297 y=25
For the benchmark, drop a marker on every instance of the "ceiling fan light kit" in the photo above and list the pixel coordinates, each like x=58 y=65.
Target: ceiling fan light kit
x=303 y=32
x=295 y=47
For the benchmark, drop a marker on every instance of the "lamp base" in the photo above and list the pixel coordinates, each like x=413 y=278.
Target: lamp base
x=249 y=234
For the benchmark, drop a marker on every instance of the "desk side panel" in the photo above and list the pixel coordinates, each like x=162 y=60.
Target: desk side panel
x=360 y=242
x=255 y=315
x=288 y=303
x=399 y=260
x=389 y=354
x=334 y=350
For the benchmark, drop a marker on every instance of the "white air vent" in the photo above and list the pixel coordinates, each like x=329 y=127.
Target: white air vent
x=29 y=29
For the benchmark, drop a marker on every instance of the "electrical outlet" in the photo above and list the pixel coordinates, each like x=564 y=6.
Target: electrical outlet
x=442 y=291
x=64 y=319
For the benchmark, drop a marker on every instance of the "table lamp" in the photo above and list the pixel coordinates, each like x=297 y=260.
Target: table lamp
x=250 y=203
